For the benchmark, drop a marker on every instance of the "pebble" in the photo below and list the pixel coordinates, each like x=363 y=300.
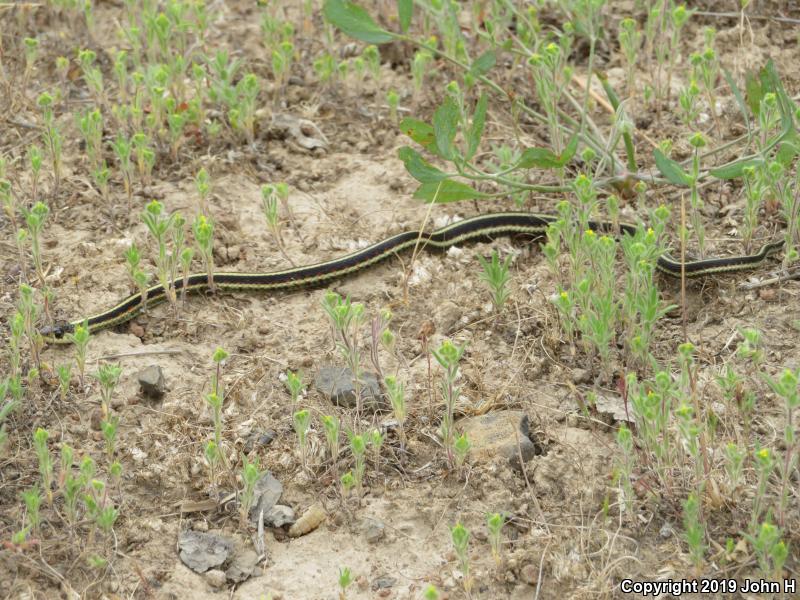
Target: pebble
x=336 y=384
x=492 y=435
x=373 y=530
x=529 y=574
x=278 y=516
x=151 y=382
x=215 y=578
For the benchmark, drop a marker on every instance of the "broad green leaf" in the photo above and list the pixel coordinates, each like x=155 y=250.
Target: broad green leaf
x=405 y=9
x=419 y=131
x=538 y=157
x=670 y=169
x=788 y=150
x=445 y=126
x=735 y=170
x=448 y=191
x=483 y=64
x=478 y=123
x=545 y=158
x=419 y=168
x=355 y=22
x=753 y=92
x=568 y=152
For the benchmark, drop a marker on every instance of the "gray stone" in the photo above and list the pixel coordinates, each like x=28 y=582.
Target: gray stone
x=278 y=516
x=243 y=566
x=151 y=381
x=215 y=578
x=373 y=530
x=202 y=551
x=492 y=435
x=336 y=384
x=383 y=583
x=267 y=492
x=258 y=439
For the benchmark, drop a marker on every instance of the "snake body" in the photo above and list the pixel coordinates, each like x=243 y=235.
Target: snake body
x=471 y=229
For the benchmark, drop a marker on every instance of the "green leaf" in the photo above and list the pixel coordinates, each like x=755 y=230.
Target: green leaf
x=568 y=152
x=419 y=168
x=538 y=157
x=419 y=131
x=405 y=8
x=753 y=92
x=670 y=169
x=445 y=126
x=448 y=191
x=737 y=94
x=735 y=170
x=789 y=149
x=478 y=123
x=483 y=64
x=545 y=158
x=355 y=22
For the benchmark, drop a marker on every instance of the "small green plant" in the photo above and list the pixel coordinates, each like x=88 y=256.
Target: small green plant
x=138 y=276
x=40 y=438
x=295 y=386
x=302 y=421
x=162 y=226
x=108 y=375
x=346 y=319
x=250 y=474
x=80 y=337
x=212 y=456
x=376 y=439
x=203 y=230
x=345 y=581
x=694 y=531
x=459 y=535
x=109 y=428
x=448 y=356
x=496 y=276
x=431 y=593
x=331 y=425
x=33 y=500
x=358 y=446
x=51 y=137
x=397 y=398
x=461 y=447
x=494 y=523
x=630 y=40
x=348 y=481
x=770 y=550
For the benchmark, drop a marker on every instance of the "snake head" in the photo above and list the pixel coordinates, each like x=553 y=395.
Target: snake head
x=57 y=331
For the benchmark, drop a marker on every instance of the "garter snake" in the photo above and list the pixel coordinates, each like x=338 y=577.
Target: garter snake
x=482 y=226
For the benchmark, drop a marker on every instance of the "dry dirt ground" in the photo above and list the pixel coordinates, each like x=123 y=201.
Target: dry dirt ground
x=559 y=543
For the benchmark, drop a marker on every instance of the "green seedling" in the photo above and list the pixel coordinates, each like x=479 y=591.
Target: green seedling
x=448 y=356
x=80 y=338
x=785 y=387
x=396 y=393
x=459 y=535
x=35 y=160
x=347 y=480
x=358 y=447
x=630 y=40
x=250 y=474
x=212 y=456
x=108 y=376
x=202 y=183
x=40 y=438
x=33 y=500
x=109 y=428
x=295 y=386
x=64 y=372
x=302 y=421
x=496 y=277
x=345 y=581
x=393 y=101
x=51 y=136
x=204 y=236
x=346 y=319
x=770 y=550
x=376 y=439
x=461 y=447
x=694 y=530
x=494 y=523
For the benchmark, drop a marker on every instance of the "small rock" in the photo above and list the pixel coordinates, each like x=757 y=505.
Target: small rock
x=267 y=491
x=135 y=329
x=278 y=516
x=202 y=551
x=382 y=583
x=666 y=531
x=493 y=435
x=336 y=383
x=373 y=530
x=581 y=376
x=529 y=574
x=215 y=578
x=243 y=566
x=258 y=440
x=151 y=381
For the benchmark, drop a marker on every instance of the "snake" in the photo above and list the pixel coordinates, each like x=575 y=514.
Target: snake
x=486 y=226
